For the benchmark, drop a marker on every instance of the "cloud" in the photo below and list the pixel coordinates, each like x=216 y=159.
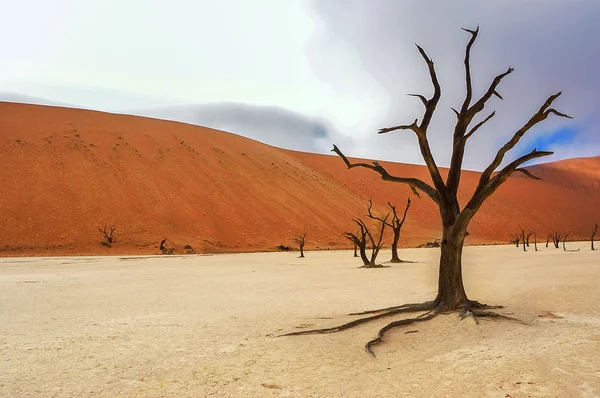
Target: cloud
x=366 y=48
x=268 y=124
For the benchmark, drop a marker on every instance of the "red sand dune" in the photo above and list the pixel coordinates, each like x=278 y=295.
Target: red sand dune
x=67 y=172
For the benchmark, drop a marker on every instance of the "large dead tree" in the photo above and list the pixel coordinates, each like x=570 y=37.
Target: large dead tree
x=451 y=295
x=593 y=234
x=360 y=240
x=395 y=224
x=300 y=241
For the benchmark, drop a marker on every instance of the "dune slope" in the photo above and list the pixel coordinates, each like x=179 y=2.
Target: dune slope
x=67 y=172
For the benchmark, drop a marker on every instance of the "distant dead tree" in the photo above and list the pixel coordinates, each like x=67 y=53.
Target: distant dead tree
x=535 y=241
x=360 y=239
x=516 y=238
x=395 y=224
x=164 y=249
x=555 y=237
x=300 y=241
x=523 y=238
x=564 y=242
x=108 y=233
x=594 y=233
x=355 y=253
x=528 y=236
x=455 y=215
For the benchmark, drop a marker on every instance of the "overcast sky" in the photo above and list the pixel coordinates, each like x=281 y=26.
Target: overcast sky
x=340 y=68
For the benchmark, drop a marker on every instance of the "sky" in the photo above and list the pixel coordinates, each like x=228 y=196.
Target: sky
x=304 y=74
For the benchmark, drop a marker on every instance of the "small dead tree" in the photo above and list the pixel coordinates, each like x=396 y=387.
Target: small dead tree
x=395 y=224
x=523 y=239
x=108 y=233
x=355 y=252
x=516 y=238
x=594 y=233
x=359 y=238
x=555 y=237
x=528 y=236
x=535 y=241
x=564 y=242
x=300 y=241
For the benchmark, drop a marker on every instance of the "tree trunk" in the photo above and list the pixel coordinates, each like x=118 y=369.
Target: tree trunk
x=363 y=255
x=301 y=251
x=355 y=252
x=395 y=258
x=451 y=292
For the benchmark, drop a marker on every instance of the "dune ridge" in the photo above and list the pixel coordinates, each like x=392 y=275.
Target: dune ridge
x=67 y=172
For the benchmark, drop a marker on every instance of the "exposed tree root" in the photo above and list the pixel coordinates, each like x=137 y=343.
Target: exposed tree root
x=490 y=314
x=374 y=266
x=403 y=322
x=414 y=307
x=400 y=261
x=431 y=309
x=479 y=306
x=393 y=311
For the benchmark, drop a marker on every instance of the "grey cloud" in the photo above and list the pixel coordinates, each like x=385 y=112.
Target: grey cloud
x=268 y=124
x=367 y=48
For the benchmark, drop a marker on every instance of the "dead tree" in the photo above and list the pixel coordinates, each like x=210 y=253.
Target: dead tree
x=355 y=252
x=523 y=238
x=528 y=236
x=555 y=237
x=109 y=233
x=395 y=224
x=451 y=295
x=594 y=233
x=564 y=242
x=300 y=241
x=360 y=240
x=535 y=241
x=516 y=238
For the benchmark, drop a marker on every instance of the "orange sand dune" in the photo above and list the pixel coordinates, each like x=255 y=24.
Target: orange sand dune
x=67 y=172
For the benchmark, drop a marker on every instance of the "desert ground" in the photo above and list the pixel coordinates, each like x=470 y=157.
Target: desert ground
x=208 y=326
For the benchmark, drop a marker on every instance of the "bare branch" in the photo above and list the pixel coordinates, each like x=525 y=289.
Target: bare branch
x=528 y=173
x=469 y=95
x=437 y=92
x=421 y=97
x=478 y=125
x=557 y=113
x=512 y=167
x=413 y=183
x=538 y=117
x=414 y=127
x=371 y=216
x=480 y=104
x=484 y=190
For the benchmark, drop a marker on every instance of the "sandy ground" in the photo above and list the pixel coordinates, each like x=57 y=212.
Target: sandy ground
x=207 y=325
